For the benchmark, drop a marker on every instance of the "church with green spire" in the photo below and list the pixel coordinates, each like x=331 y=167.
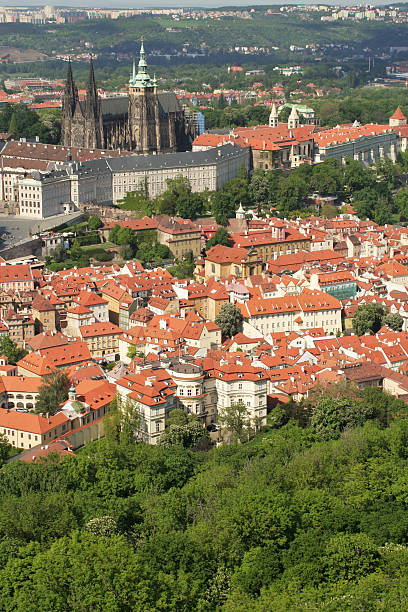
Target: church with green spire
x=144 y=121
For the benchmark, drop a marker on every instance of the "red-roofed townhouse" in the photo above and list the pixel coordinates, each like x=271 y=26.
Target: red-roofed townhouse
x=238 y=381
x=6 y=369
x=116 y=295
x=25 y=429
x=19 y=326
x=85 y=408
x=45 y=361
x=274 y=241
x=132 y=340
x=102 y=339
x=202 y=335
x=222 y=262
x=240 y=342
x=152 y=393
x=182 y=236
x=78 y=316
x=62 y=448
x=19 y=392
x=44 y=314
x=310 y=309
x=95 y=303
x=17 y=277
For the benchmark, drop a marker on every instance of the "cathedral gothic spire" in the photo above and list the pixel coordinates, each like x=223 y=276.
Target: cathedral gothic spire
x=71 y=92
x=92 y=91
x=93 y=111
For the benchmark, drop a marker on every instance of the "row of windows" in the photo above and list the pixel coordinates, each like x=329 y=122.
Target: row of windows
x=12 y=433
x=189 y=391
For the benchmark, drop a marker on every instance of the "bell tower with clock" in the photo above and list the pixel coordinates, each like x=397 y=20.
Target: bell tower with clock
x=144 y=112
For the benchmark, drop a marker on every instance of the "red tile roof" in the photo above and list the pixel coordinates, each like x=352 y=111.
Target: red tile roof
x=30 y=422
x=398 y=114
x=100 y=329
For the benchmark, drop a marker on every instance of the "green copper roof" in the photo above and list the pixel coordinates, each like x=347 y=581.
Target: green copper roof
x=141 y=79
x=300 y=108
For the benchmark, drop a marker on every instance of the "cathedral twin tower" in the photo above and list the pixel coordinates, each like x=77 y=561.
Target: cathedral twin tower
x=144 y=121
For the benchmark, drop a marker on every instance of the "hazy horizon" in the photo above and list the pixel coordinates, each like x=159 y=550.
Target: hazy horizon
x=170 y=4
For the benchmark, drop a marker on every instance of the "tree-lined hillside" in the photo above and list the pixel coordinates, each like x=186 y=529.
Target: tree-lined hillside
x=301 y=518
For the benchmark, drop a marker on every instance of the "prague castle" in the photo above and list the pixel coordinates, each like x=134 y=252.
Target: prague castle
x=145 y=121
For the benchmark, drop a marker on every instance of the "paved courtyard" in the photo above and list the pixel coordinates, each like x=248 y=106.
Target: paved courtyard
x=13 y=229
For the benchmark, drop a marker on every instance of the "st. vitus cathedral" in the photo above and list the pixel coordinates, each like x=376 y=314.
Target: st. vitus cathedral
x=144 y=121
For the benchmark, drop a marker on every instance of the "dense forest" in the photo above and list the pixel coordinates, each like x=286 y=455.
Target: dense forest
x=309 y=515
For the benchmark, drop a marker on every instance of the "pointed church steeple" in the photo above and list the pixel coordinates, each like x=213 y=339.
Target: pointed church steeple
x=92 y=91
x=142 y=61
x=293 y=121
x=93 y=117
x=69 y=85
x=273 y=117
x=70 y=98
x=142 y=78
x=71 y=91
x=70 y=105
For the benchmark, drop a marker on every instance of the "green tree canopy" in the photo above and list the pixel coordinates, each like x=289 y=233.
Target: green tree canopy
x=369 y=318
x=235 y=421
x=122 y=424
x=230 y=320
x=53 y=392
x=356 y=177
x=187 y=435
x=332 y=416
x=139 y=202
x=179 y=199
x=94 y=223
x=222 y=207
x=394 y=321
x=11 y=350
x=221 y=236
x=292 y=192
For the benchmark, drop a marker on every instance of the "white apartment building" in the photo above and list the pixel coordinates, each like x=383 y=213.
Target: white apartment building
x=363 y=143
x=238 y=382
x=310 y=309
x=203 y=393
x=44 y=196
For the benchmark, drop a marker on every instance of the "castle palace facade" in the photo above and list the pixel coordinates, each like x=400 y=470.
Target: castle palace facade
x=144 y=121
